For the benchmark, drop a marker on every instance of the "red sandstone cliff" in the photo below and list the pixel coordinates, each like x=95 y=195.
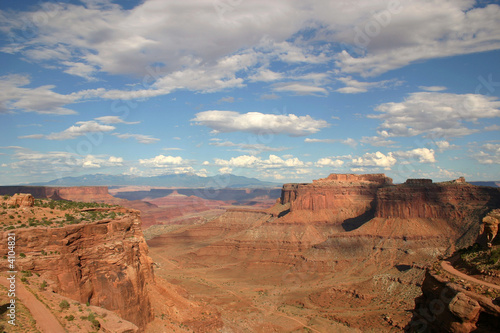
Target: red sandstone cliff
x=74 y=193
x=105 y=263
x=333 y=199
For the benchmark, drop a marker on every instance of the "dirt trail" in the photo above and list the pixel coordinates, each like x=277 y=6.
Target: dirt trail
x=446 y=265
x=45 y=320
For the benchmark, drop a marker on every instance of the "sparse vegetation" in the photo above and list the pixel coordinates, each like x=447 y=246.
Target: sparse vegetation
x=64 y=305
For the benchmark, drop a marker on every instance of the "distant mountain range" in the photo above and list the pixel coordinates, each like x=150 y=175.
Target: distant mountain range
x=486 y=183
x=179 y=180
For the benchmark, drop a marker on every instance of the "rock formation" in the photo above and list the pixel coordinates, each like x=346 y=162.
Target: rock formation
x=76 y=193
x=105 y=263
x=360 y=232
x=21 y=200
x=447 y=307
x=333 y=199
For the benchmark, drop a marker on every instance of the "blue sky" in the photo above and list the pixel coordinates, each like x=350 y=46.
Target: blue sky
x=285 y=91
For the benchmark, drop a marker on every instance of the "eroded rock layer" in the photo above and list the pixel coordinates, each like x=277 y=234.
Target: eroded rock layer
x=446 y=307
x=105 y=263
x=74 y=193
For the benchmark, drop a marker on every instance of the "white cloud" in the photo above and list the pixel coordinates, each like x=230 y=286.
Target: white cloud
x=59 y=163
x=300 y=88
x=189 y=42
x=353 y=86
x=488 y=153
x=79 y=129
x=411 y=32
x=259 y=123
x=433 y=88
x=324 y=162
x=161 y=161
x=377 y=159
x=228 y=99
x=43 y=100
x=435 y=114
x=80 y=69
x=320 y=140
x=114 y=120
x=377 y=141
x=32 y=136
x=141 y=138
x=253 y=162
x=250 y=148
x=350 y=142
x=422 y=155
x=172 y=148
x=225 y=170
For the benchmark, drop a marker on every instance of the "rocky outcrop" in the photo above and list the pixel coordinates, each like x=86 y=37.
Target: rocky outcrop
x=333 y=199
x=104 y=263
x=76 y=193
x=446 y=307
x=21 y=200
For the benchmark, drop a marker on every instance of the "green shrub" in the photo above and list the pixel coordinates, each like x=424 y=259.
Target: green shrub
x=96 y=324
x=43 y=285
x=70 y=318
x=64 y=305
x=22 y=255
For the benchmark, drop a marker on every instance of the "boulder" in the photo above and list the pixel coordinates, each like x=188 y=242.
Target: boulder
x=21 y=200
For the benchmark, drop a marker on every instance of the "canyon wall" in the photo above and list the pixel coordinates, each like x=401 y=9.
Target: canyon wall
x=105 y=263
x=333 y=199
x=75 y=193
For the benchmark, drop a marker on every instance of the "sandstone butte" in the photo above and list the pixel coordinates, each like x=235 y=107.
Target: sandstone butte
x=343 y=232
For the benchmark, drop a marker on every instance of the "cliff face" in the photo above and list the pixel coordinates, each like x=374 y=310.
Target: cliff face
x=105 y=263
x=76 y=193
x=448 y=201
x=446 y=307
x=333 y=199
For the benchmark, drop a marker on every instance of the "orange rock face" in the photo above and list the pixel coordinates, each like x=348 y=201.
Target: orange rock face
x=105 y=263
x=75 y=193
x=21 y=200
x=333 y=199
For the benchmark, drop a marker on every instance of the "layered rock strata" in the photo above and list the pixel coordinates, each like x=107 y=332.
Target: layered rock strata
x=104 y=263
x=446 y=307
x=333 y=199
x=75 y=193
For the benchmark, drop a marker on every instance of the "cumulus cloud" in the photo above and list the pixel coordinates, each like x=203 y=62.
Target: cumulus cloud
x=162 y=161
x=422 y=155
x=254 y=162
x=377 y=159
x=190 y=48
x=59 y=163
x=328 y=162
x=259 y=123
x=435 y=114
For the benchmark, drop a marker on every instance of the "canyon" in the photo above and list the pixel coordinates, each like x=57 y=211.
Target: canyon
x=341 y=254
